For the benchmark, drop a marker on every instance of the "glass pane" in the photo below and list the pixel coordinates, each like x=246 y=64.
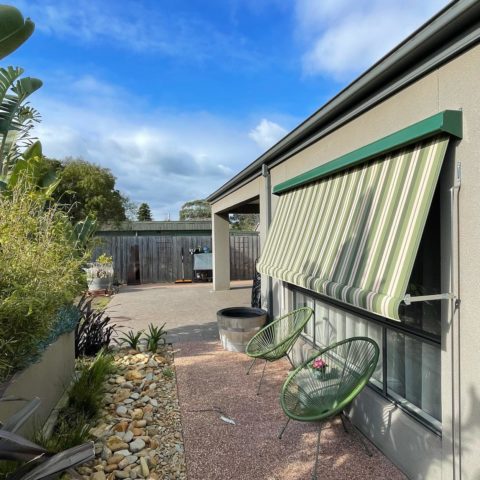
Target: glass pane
x=426 y=276
x=413 y=373
x=333 y=325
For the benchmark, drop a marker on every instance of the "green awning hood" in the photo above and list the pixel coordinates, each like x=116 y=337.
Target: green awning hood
x=446 y=122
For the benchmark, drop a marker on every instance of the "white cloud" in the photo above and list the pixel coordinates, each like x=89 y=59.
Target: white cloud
x=341 y=38
x=162 y=157
x=267 y=133
x=131 y=25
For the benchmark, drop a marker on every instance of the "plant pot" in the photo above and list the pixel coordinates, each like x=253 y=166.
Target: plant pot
x=325 y=374
x=99 y=283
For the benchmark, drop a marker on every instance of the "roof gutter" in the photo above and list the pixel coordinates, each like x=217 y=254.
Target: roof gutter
x=452 y=30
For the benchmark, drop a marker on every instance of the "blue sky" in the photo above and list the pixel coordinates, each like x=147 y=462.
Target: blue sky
x=175 y=97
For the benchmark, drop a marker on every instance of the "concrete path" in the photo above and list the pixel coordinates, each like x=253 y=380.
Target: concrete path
x=189 y=310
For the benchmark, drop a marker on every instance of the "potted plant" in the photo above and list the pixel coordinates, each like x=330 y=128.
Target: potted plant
x=321 y=369
x=100 y=273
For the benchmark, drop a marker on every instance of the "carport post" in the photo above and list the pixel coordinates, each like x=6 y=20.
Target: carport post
x=221 y=251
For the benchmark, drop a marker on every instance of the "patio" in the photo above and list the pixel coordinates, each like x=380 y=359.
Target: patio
x=210 y=380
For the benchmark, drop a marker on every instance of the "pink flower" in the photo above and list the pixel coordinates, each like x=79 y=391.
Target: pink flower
x=319 y=364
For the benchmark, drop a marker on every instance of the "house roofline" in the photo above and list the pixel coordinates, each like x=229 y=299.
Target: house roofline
x=452 y=30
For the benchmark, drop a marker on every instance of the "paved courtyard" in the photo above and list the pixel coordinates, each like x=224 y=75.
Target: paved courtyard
x=189 y=310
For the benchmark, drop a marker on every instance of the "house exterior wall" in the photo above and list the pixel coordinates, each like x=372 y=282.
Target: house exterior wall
x=452 y=86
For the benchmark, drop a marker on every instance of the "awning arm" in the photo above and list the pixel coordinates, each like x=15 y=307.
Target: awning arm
x=408 y=299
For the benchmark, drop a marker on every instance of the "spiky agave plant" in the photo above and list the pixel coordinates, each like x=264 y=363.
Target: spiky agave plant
x=131 y=338
x=154 y=336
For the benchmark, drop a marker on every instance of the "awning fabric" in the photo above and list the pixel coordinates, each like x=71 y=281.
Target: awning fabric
x=354 y=236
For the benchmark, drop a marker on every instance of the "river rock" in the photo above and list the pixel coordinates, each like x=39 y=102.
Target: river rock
x=100 y=475
x=115 y=443
x=127 y=461
x=121 y=427
x=121 y=410
x=120 y=474
x=114 y=459
x=133 y=375
x=137 y=414
x=137 y=445
x=124 y=453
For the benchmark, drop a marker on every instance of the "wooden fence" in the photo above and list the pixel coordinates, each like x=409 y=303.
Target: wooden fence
x=158 y=258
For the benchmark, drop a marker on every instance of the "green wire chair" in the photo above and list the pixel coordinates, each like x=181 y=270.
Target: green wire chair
x=276 y=339
x=314 y=395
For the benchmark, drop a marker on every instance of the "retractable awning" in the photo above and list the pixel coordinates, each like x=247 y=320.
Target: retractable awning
x=353 y=235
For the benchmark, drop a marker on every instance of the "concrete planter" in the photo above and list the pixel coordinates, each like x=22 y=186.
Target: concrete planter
x=46 y=379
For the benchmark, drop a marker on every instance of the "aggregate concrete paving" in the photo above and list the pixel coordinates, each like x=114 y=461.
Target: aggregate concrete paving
x=189 y=310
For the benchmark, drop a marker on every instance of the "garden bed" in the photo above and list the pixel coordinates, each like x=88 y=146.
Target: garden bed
x=139 y=434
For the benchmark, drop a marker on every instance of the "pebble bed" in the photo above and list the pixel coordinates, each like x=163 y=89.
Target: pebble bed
x=139 y=434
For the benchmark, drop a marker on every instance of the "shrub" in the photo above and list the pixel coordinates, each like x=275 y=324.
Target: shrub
x=93 y=332
x=86 y=394
x=39 y=272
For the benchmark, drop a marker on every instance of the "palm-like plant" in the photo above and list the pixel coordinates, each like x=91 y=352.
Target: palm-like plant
x=16 y=116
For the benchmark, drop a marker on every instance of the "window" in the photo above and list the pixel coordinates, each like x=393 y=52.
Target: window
x=408 y=369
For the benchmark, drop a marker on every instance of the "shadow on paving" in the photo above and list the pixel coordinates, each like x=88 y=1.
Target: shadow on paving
x=193 y=333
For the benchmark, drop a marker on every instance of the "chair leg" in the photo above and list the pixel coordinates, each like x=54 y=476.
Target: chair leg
x=290 y=360
x=360 y=435
x=343 y=423
x=251 y=365
x=314 y=472
x=261 y=378
x=282 y=431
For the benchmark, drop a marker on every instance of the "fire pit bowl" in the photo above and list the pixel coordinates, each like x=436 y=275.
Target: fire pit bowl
x=237 y=325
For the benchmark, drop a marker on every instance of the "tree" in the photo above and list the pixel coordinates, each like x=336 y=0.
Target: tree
x=244 y=221
x=88 y=190
x=144 y=213
x=196 y=210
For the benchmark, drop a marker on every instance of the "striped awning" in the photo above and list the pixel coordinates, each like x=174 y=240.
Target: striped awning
x=353 y=236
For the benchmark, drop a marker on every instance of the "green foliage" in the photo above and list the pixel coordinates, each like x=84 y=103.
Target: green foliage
x=31 y=169
x=154 y=336
x=196 y=210
x=131 y=338
x=7 y=468
x=85 y=397
x=105 y=259
x=88 y=190
x=83 y=231
x=14 y=29
x=94 y=331
x=247 y=222
x=71 y=430
x=40 y=270
x=16 y=118
x=168 y=373
x=144 y=213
